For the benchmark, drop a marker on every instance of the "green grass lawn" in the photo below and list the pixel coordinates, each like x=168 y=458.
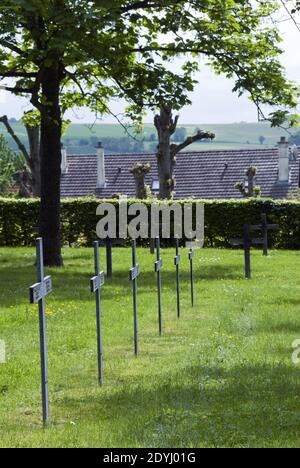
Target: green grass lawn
x=221 y=376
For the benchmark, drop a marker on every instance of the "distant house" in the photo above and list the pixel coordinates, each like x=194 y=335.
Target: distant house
x=206 y=174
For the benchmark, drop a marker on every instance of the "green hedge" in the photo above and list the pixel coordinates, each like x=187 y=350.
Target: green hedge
x=223 y=220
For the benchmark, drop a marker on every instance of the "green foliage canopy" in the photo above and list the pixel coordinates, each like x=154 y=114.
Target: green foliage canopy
x=125 y=49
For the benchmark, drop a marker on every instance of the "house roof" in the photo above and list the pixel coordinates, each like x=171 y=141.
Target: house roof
x=207 y=174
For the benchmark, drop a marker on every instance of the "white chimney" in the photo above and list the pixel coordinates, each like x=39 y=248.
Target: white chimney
x=284 y=160
x=64 y=160
x=101 y=181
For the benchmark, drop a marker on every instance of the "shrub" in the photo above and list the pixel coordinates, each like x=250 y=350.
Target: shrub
x=223 y=220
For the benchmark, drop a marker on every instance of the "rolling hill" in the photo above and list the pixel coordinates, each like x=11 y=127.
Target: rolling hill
x=82 y=138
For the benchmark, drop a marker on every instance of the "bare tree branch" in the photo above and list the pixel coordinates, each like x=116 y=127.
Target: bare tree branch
x=175 y=149
x=20 y=145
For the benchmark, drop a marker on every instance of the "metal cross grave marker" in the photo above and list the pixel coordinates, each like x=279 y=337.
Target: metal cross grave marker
x=109 y=243
x=96 y=283
x=177 y=263
x=158 y=267
x=37 y=294
x=133 y=276
x=152 y=246
x=249 y=241
x=264 y=227
x=191 y=258
x=246 y=242
x=247 y=247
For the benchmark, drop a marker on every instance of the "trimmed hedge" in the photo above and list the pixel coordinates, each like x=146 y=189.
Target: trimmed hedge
x=223 y=220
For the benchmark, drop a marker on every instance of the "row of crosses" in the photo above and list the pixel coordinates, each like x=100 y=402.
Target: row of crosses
x=43 y=287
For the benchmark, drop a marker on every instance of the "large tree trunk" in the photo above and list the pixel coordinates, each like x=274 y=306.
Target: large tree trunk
x=166 y=155
x=51 y=124
x=166 y=126
x=33 y=134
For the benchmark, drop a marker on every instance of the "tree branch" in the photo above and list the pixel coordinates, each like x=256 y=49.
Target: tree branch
x=143 y=4
x=13 y=74
x=16 y=89
x=175 y=149
x=35 y=92
x=12 y=47
x=20 y=145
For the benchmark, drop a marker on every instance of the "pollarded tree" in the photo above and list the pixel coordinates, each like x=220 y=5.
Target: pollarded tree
x=166 y=125
x=62 y=53
x=248 y=188
x=139 y=171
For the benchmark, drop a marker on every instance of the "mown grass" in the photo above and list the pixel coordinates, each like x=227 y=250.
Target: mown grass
x=222 y=376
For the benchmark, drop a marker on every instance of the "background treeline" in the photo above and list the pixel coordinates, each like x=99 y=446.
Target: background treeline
x=224 y=220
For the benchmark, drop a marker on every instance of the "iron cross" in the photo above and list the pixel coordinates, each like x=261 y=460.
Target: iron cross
x=158 y=267
x=177 y=263
x=133 y=276
x=247 y=243
x=96 y=283
x=191 y=258
x=264 y=227
x=37 y=294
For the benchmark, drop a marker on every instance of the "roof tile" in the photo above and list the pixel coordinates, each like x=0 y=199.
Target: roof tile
x=206 y=175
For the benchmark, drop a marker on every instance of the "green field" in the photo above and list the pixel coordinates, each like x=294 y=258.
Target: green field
x=228 y=136
x=222 y=376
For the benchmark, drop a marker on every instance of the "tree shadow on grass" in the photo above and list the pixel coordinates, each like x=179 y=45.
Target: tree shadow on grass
x=70 y=284
x=286 y=301
x=289 y=327
x=243 y=406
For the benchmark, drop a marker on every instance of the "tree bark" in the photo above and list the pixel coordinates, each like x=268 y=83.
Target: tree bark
x=33 y=134
x=139 y=172
x=51 y=126
x=166 y=126
x=166 y=155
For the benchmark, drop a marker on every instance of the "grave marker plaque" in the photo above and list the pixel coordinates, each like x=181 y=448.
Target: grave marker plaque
x=133 y=276
x=158 y=267
x=96 y=283
x=177 y=264
x=37 y=295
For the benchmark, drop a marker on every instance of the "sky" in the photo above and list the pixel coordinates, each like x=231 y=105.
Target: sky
x=213 y=100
